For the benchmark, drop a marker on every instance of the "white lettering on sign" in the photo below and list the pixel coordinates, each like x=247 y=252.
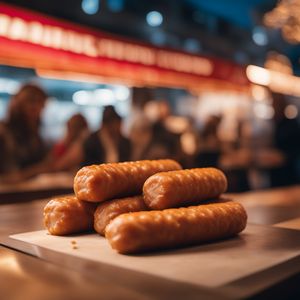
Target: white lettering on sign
x=18 y=29
x=35 y=32
x=126 y=51
x=69 y=40
x=4 y=24
x=184 y=63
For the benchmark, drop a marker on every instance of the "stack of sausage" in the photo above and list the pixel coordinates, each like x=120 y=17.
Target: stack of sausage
x=147 y=205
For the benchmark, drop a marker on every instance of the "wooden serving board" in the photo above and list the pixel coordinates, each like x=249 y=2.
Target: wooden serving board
x=209 y=265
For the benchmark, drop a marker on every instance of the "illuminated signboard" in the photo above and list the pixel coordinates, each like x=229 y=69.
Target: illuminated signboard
x=47 y=43
x=69 y=40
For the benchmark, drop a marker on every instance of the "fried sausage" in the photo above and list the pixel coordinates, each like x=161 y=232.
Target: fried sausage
x=67 y=215
x=183 y=187
x=108 y=210
x=153 y=230
x=97 y=183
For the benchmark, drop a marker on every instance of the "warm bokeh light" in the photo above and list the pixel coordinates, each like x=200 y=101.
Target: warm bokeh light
x=188 y=143
x=286 y=17
x=279 y=63
x=276 y=81
x=263 y=111
x=291 y=111
x=258 y=75
x=176 y=124
x=10 y=263
x=259 y=93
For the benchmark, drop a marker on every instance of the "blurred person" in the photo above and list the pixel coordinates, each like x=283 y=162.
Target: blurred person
x=20 y=142
x=210 y=144
x=139 y=131
x=108 y=144
x=66 y=154
x=190 y=141
x=236 y=158
x=162 y=142
x=76 y=130
x=287 y=142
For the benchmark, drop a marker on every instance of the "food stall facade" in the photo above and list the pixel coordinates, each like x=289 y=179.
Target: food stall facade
x=52 y=46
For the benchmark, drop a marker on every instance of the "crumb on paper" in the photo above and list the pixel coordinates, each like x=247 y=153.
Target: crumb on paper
x=74 y=244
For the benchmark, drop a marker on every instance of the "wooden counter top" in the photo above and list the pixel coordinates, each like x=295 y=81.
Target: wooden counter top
x=24 y=276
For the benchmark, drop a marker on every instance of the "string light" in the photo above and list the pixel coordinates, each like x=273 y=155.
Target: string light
x=291 y=111
x=285 y=16
x=276 y=81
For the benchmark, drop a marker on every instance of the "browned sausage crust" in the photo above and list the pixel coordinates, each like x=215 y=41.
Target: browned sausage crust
x=183 y=187
x=98 y=183
x=67 y=215
x=152 y=230
x=108 y=210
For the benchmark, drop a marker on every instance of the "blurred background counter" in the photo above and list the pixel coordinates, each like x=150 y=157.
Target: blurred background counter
x=189 y=81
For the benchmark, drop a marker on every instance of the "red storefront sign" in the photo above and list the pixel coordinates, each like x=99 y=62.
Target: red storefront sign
x=30 y=39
